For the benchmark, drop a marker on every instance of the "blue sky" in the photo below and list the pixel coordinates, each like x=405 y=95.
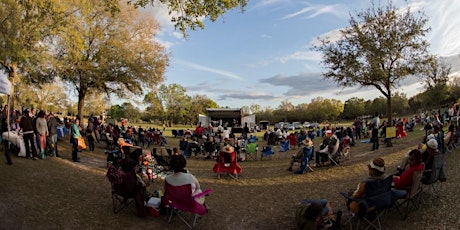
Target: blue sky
x=263 y=55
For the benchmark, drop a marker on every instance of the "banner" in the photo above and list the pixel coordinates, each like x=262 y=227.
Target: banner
x=5 y=84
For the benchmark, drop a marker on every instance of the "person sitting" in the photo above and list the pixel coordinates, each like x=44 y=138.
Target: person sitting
x=182 y=176
x=376 y=169
x=304 y=154
x=132 y=186
x=329 y=149
x=404 y=181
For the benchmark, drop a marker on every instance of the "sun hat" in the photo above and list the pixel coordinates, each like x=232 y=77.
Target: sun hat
x=429 y=137
x=307 y=142
x=228 y=149
x=377 y=164
x=432 y=144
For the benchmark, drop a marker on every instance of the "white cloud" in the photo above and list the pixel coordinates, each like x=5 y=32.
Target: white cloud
x=312 y=11
x=302 y=55
x=211 y=70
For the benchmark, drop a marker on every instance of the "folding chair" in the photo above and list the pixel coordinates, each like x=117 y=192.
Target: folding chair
x=266 y=152
x=373 y=207
x=251 y=151
x=433 y=173
x=179 y=199
x=284 y=145
x=122 y=194
x=175 y=133
x=411 y=197
x=306 y=159
x=227 y=163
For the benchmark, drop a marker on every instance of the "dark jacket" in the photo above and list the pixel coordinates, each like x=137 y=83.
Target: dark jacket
x=26 y=124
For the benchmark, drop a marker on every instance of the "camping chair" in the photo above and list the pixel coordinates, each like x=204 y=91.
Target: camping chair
x=412 y=195
x=174 y=133
x=433 y=173
x=161 y=163
x=179 y=199
x=251 y=151
x=373 y=207
x=306 y=159
x=227 y=164
x=266 y=152
x=121 y=197
x=180 y=132
x=284 y=145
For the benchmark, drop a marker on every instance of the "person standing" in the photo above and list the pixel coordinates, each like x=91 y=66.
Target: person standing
x=52 y=131
x=74 y=135
x=375 y=131
x=42 y=131
x=90 y=134
x=27 y=128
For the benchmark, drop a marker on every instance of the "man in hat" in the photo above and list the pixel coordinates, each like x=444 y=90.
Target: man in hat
x=306 y=151
x=376 y=169
x=27 y=128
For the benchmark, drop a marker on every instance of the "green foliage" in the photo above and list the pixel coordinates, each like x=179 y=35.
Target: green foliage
x=382 y=46
x=110 y=52
x=354 y=107
x=189 y=14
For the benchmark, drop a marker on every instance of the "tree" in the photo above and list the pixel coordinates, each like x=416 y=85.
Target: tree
x=25 y=26
x=189 y=14
x=354 y=107
x=379 y=50
x=102 y=51
x=437 y=73
x=173 y=99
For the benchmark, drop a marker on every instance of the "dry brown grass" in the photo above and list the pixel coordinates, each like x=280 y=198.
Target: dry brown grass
x=58 y=194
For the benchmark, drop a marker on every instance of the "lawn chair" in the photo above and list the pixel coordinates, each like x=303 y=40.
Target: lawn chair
x=284 y=145
x=266 y=152
x=180 y=132
x=179 y=199
x=434 y=172
x=122 y=195
x=306 y=159
x=161 y=163
x=174 y=133
x=227 y=163
x=412 y=196
x=251 y=151
x=373 y=207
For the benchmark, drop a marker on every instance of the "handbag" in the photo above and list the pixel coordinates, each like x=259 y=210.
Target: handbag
x=81 y=143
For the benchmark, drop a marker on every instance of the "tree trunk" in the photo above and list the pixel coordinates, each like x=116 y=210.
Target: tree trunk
x=81 y=102
x=390 y=117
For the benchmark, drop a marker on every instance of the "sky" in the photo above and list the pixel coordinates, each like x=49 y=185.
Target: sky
x=263 y=55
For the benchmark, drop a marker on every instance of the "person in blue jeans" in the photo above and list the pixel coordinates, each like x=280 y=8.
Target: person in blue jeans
x=74 y=135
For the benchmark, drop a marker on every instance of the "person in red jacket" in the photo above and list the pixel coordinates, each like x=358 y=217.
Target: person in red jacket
x=415 y=164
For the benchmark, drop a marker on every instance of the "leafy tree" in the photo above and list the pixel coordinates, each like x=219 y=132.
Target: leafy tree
x=173 y=98
x=108 y=52
x=189 y=14
x=25 y=26
x=154 y=108
x=96 y=104
x=382 y=46
x=437 y=73
x=255 y=108
x=400 y=104
x=198 y=105
x=354 y=107
x=321 y=109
